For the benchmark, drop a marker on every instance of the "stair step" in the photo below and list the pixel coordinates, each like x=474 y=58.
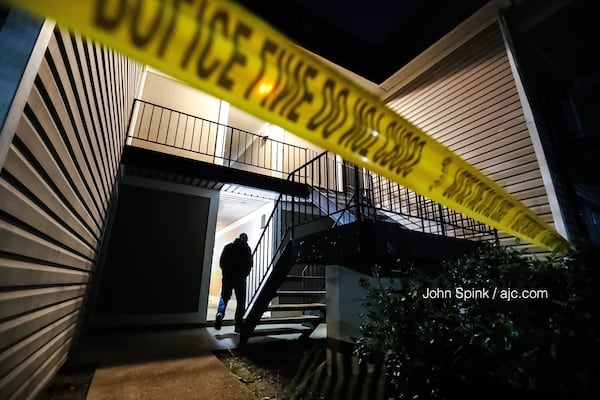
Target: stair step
x=296 y=307
x=290 y=320
x=301 y=293
x=303 y=278
x=281 y=331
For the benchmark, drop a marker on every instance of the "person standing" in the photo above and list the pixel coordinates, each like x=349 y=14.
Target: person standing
x=235 y=263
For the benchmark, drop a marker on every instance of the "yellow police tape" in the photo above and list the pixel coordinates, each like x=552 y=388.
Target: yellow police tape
x=222 y=49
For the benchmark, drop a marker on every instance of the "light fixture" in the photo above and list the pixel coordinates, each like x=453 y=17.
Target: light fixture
x=265 y=88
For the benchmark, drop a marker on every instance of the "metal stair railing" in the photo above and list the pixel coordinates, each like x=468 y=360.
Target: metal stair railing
x=278 y=231
x=369 y=196
x=268 y=248
x=340 y=190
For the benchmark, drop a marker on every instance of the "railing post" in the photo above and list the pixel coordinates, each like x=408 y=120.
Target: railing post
x=357 y=194
x=133 y=118
x=282 y=157
x=442 y=220
x=230 y=147
x=305 y=157
x=293 y=213
x=216 y=139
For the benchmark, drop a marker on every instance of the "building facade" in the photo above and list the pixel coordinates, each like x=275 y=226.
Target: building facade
x=69 y=106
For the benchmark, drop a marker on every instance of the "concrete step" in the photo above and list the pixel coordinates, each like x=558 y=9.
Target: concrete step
x=301 y=293
x=281 y=331
x=303 y=278
x=296 y=307
x=290 y=320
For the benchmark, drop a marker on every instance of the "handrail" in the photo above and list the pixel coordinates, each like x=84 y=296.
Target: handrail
x=195 y=137
x=308 y=162
x=331 y=197
x=387 y=199
x=218 y=123
x=264 y=253
x=346 y=190
x=346 y=207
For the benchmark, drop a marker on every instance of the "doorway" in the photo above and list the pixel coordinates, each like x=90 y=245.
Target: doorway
x=243 y=210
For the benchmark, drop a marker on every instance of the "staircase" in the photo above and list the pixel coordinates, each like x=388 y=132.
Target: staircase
x=286 y=287
x=298 y=306
x=290 y=297
x=323 y=200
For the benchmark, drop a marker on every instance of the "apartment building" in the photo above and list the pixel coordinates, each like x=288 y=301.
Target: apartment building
x=119 y=185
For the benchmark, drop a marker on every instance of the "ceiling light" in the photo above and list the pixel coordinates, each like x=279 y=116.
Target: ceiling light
x=265 y=88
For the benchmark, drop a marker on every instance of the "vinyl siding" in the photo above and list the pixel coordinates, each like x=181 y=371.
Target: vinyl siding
x=469 y=102
x=55 y=190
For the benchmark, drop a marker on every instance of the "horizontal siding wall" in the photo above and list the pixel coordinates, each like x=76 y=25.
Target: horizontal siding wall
x=469 y=102
x=55 y=189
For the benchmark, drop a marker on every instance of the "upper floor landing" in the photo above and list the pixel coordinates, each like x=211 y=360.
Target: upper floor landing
x=173 y=118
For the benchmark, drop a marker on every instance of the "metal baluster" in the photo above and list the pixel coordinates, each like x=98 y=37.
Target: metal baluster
x=243 y=149
x=230 y=148
x=280 y=145
x=442 y=219
x=168 y=127
x=142 y=119
x=318 y=187
x=159 y=124
x=183 y=143
x=252 y=147
x=194 y=135
x=327 y=183
x=389 y=192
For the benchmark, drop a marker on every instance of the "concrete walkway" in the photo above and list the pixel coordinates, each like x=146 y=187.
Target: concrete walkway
x=166 y=364
x=177 y=364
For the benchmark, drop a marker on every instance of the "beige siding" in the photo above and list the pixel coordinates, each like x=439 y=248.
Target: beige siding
x=55 y=189
x=469 y=102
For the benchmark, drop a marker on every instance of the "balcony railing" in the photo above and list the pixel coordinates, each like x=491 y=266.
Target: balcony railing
x=170 y=131
x=341 y=189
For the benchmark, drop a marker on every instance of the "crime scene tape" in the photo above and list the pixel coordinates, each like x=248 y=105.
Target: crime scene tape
x=222 y=49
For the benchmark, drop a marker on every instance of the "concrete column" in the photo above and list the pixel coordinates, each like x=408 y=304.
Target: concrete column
x=344 y=307
x=344 y=296
x=223 y=119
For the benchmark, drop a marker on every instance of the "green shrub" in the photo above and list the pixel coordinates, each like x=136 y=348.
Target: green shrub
x=488 y=347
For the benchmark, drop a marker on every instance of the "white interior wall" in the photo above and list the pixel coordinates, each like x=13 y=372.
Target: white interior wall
x=168 y=92
x=290 y=138
x=251 y=224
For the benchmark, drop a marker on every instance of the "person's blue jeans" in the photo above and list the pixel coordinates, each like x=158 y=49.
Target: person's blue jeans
x=227 y=287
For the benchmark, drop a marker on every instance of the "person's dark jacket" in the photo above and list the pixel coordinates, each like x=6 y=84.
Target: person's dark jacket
x=236 y=260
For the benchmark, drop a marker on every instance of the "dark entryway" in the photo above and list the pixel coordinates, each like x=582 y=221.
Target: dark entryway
x=155 y=254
